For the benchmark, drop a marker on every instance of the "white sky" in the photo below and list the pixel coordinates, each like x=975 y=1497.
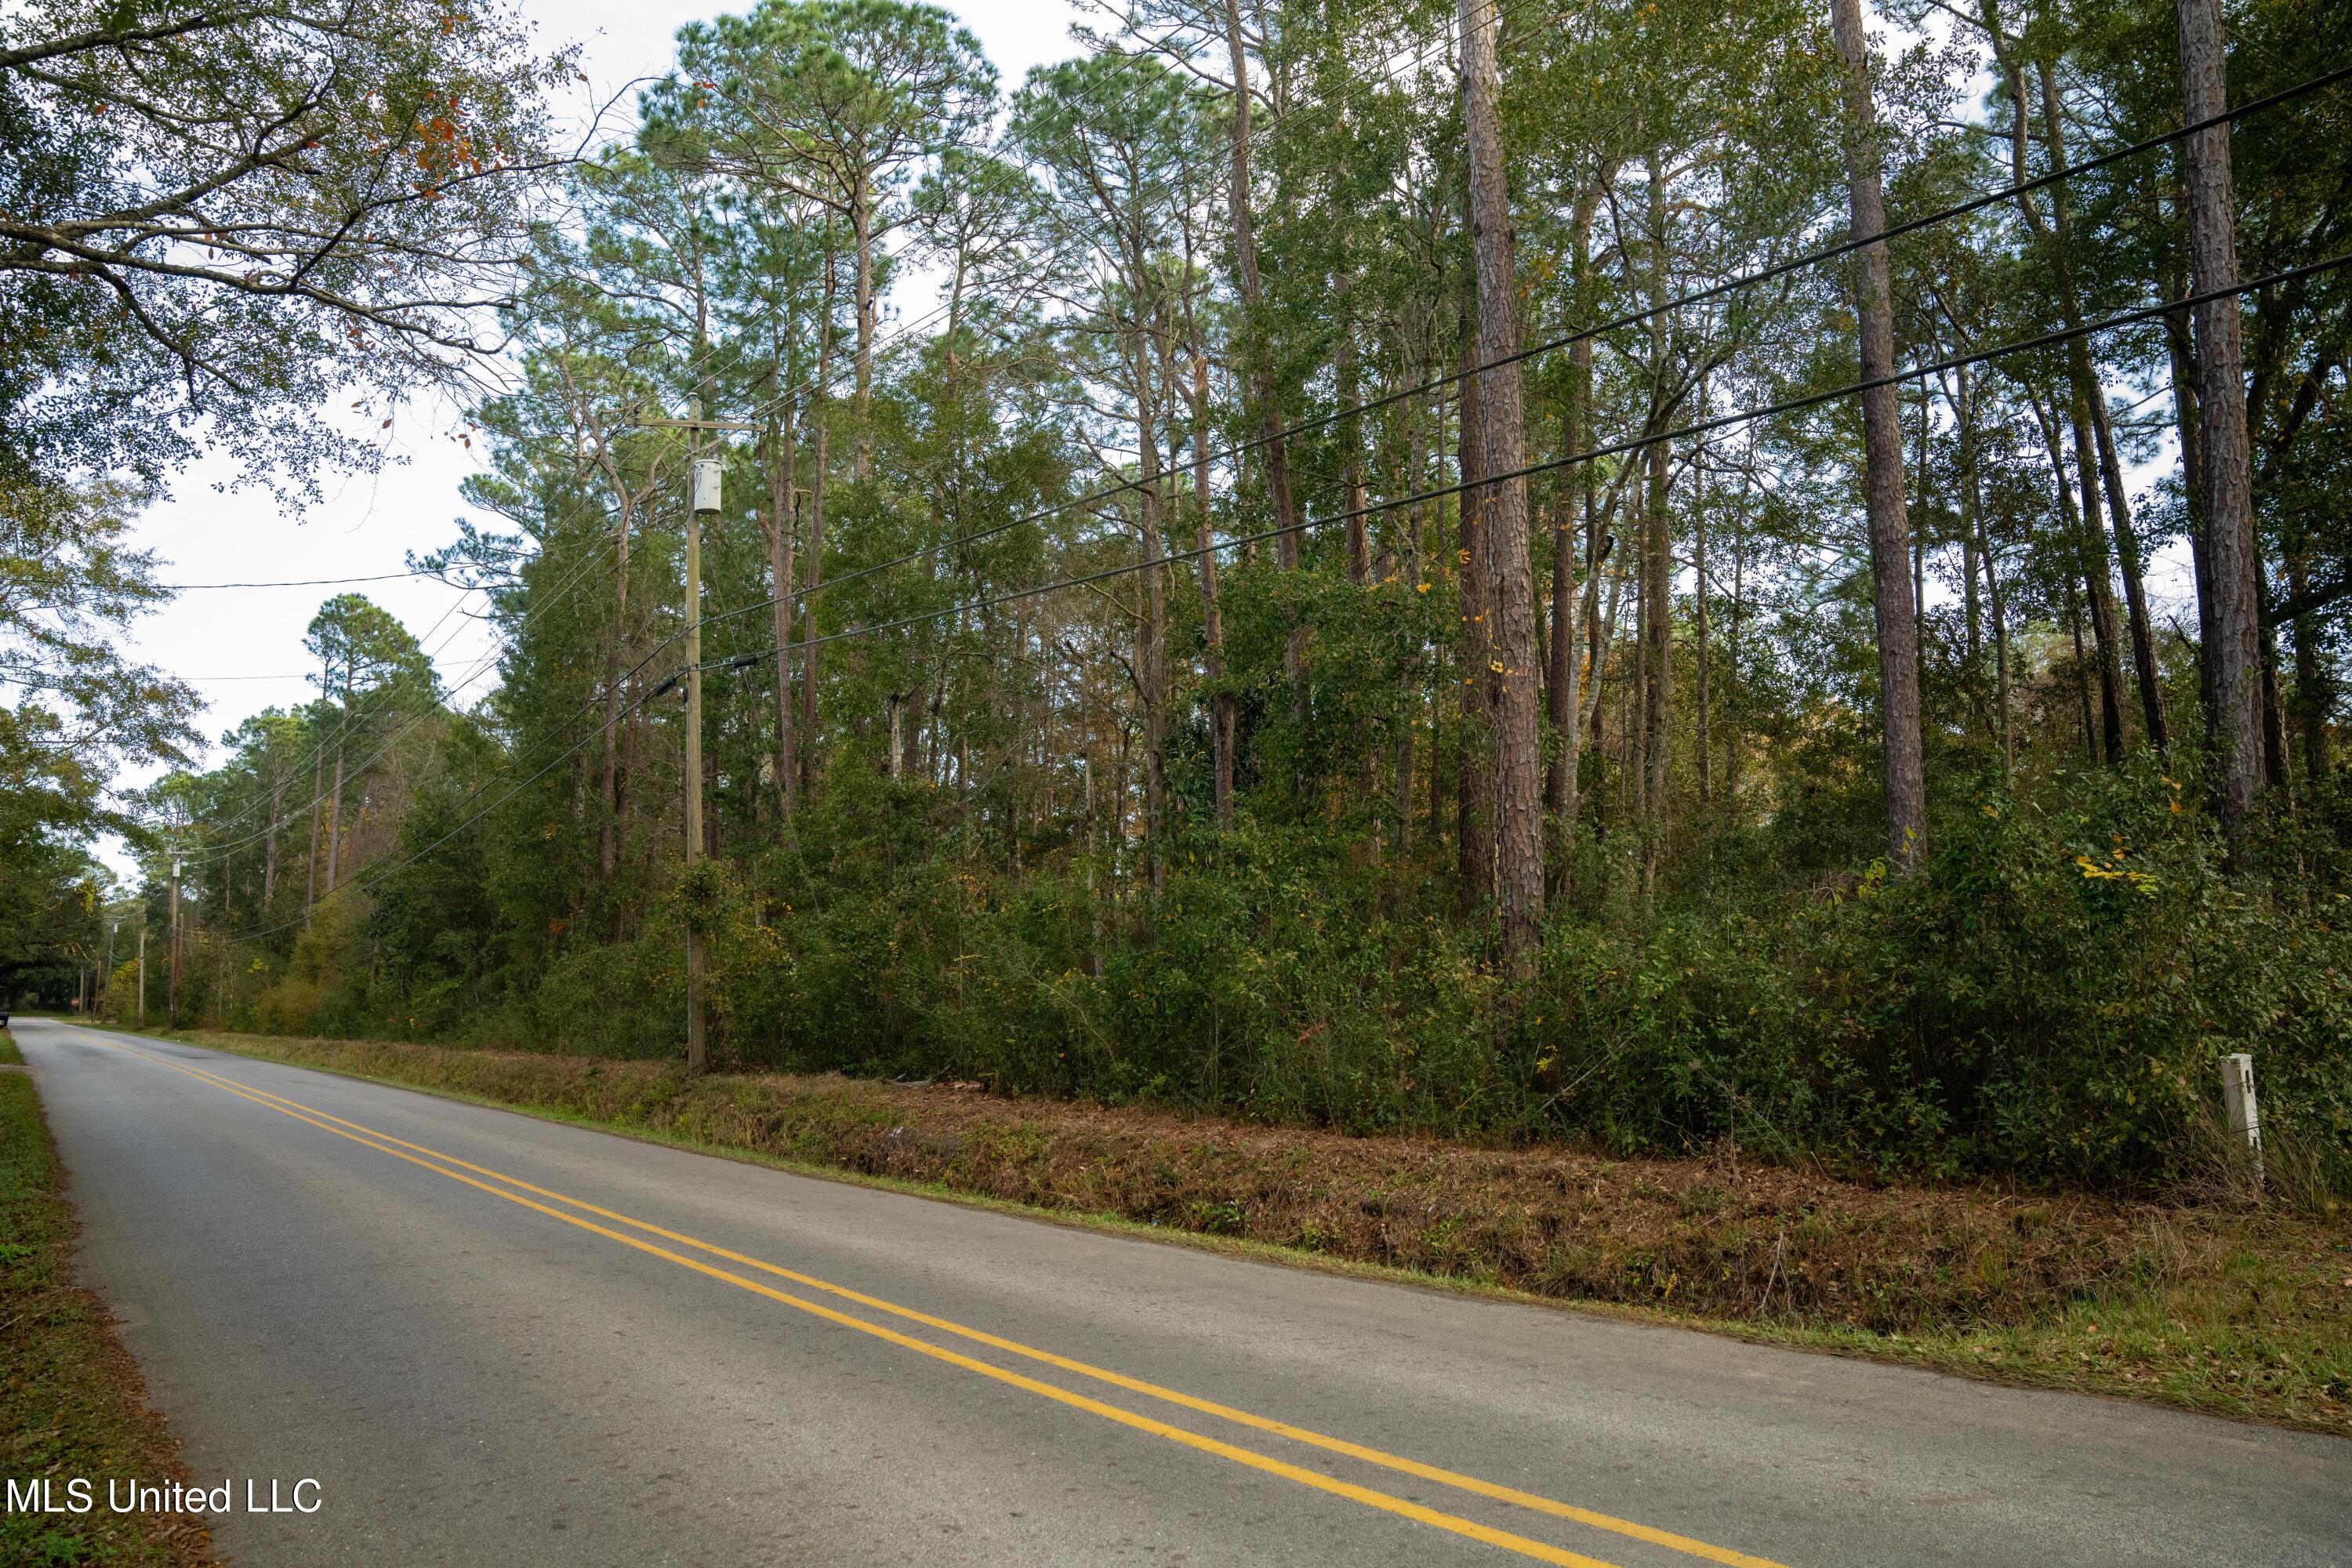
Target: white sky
x=242 y=649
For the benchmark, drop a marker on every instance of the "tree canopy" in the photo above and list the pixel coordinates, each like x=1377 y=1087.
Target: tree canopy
x=1649 y=572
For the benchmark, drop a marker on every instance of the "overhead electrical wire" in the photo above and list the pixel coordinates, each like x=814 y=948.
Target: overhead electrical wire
x=780 y=399
x=1738 y=417
x=211 y=852
x=1701 y=296
x=1633 y=444
x=302 y=582
x=777 y=400
x=1696 y=297
x=699 y=365
x=352 y=719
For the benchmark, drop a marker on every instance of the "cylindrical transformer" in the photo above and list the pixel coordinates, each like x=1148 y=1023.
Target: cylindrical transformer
x=706 y=485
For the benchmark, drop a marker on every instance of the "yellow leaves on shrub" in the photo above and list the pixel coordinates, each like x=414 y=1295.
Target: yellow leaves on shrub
x=2114 y=870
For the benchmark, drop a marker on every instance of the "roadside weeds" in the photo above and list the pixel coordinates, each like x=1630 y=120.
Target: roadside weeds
x=2245 y=1312
x=72 y=1403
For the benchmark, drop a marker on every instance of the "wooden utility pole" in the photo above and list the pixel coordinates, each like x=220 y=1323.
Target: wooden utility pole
x=142 y=970
x=696 y=1055
x=2225 y=498
x=1890 y=523
x=705 y=477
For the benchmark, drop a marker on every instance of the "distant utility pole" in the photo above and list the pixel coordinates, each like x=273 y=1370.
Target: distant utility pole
x=705 y=474
x=143 y=973
x=106 y=971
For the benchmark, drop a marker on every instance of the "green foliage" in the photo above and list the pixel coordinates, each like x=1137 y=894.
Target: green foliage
x=222 y=221
x=70 y=587
x=967 y=690
x=2047 y=999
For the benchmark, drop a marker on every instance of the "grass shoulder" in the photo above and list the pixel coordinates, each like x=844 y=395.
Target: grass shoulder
x=2243 y=1312
x=71 y=1400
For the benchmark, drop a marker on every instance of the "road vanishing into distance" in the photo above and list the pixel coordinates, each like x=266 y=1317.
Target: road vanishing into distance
x=496 y=1340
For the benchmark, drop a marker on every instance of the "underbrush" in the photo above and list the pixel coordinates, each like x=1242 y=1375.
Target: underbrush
x=2046 y=1000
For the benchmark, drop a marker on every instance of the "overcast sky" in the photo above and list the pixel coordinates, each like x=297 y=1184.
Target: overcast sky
x=242 y=648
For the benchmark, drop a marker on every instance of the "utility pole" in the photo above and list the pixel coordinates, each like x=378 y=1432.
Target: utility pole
x=143 y=973
x=705 y=474
x=172 y=997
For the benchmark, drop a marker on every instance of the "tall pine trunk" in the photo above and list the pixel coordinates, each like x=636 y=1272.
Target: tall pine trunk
x=335 y=816
x=861 y=218
x=820 y=406
x=1273 y=455
x=317 y=793
x=1473 y=840
x=1151 y=638
x=780 y=524
x=1222 y=706
x=1519 y=741
x=1890 y=526
x=1570 y=614
x=609 y=785
x=2101 y=585
x=2233 y=551
x=2088 y=389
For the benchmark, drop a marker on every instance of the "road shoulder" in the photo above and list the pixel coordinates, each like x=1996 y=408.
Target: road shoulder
x=72 y=1403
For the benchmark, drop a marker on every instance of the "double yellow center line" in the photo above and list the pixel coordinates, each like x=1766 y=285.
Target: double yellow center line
x=514 y=1188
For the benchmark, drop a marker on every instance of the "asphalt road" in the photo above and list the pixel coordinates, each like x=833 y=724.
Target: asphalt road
x=493 y=1339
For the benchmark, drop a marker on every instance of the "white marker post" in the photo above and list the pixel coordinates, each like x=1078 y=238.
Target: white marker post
x=2244 y=1116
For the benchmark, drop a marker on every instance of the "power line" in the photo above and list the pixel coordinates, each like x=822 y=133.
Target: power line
x=1716 y=290
x=1738 y=417
x=1700 y=296
x=772 y=403
x=219 y=852
x=213 y=853
x=389 y=695
x=300 y=583
x=1701 y=428
x=1695 y=297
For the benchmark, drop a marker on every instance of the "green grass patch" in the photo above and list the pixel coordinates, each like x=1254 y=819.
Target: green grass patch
x=71 y=1404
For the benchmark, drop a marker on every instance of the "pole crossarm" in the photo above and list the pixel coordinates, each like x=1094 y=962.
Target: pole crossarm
x=696 y=424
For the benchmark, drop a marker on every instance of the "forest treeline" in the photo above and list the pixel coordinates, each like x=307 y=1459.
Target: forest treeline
x=1393 y=567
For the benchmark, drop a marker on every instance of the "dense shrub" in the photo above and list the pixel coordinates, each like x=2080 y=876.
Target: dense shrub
x=2045 y=999
x=2049 y=996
